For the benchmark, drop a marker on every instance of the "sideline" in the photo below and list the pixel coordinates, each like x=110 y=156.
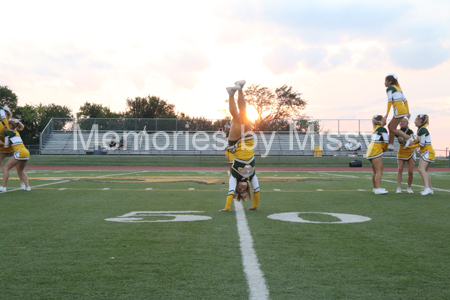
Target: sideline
x=253 y=273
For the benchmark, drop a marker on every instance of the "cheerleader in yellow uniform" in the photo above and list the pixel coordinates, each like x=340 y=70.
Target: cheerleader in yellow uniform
x=241 y=145
x=378 y=144
x=230 y=159
x=396 y=100
x=5 y=115
x=19 y=159
x=6 y=149
x=427 y=153
x=403 y=156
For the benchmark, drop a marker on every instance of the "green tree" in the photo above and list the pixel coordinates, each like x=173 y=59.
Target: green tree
x=8 y=98
x=92 y=110
x=149 y=107
x=288 y=103
x=262 y=99
x=35 y=118
x=285 y=103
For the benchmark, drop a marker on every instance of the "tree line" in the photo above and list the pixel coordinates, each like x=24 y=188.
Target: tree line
x=281 y=103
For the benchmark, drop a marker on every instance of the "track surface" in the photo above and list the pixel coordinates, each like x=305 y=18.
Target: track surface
x=125 y=168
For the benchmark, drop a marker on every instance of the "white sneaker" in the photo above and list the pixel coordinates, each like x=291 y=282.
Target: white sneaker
x=399 y=190
x=410 y=141
x=28 y=188
x=379 y=188
x=232 y=90
x=426 y=191
x=240 y=84
x=380 y=191
x=2 y=189
x=23 y=186
x=390 y=147
x=410 y=191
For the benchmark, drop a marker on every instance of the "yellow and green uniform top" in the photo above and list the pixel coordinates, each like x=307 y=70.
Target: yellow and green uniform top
x=4 y=149
x=423 y=138
x=378 y=143
x=16 y=141
x=243 y=151
x=402 y=153
x=407 y=131
x=396 y=97
x=380 y=135
x=4 y=122
x=4 y=126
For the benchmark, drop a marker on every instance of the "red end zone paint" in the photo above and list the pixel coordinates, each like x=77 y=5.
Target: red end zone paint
x=125 y=168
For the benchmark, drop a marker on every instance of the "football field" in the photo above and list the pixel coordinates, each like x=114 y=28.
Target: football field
x=159 y=235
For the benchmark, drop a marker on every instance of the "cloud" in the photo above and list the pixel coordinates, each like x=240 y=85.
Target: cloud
x=343 y=56
x=327 y=21
x=282 y=59
x=412 y=35
x=285 y=58
x=419 y=56
x=181 y=64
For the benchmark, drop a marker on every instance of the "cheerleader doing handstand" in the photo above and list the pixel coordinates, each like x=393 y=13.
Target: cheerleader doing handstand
x=241 y=144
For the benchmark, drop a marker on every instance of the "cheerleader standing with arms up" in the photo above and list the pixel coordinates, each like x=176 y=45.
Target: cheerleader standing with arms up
x=427 y=153
x=398 y=102
x=378 y=144
x=405 y=156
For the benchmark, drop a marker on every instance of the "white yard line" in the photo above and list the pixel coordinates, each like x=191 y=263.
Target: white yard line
x=253 y=273
x=351 y=176
x=38 y=186
x=128 y=173
x=416 y=185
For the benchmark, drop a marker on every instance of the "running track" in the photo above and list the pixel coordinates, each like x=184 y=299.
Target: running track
x=125 y=168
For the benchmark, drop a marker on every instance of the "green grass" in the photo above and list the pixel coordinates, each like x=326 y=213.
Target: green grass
x=56 y=244
x=205 y=161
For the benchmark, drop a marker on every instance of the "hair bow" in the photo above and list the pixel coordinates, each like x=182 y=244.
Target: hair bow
x=393 y=75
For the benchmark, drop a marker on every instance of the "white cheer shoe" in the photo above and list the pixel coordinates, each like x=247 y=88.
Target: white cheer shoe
x=427 y=191
x=232 y=90
x=240 y=84
x=380 y=191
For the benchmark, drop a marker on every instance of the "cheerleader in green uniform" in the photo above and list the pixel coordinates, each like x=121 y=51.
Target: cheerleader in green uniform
x=396 y=100
x=378 y=144
x=427 y=154
x=403 y=156
x=241 y=146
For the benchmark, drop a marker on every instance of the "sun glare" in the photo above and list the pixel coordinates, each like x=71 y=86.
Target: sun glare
x=252 y=114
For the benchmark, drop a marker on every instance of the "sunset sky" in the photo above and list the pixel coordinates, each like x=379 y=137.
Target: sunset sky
x=336 y=53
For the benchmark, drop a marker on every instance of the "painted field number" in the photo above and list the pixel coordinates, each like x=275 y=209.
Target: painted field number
x=167 y=216
x=188 y=216
x=295 y=217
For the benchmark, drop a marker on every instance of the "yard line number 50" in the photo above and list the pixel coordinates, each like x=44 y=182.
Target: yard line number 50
x=187 y=216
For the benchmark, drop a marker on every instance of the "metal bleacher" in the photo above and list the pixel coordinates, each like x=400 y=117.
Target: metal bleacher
x=199 y=143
